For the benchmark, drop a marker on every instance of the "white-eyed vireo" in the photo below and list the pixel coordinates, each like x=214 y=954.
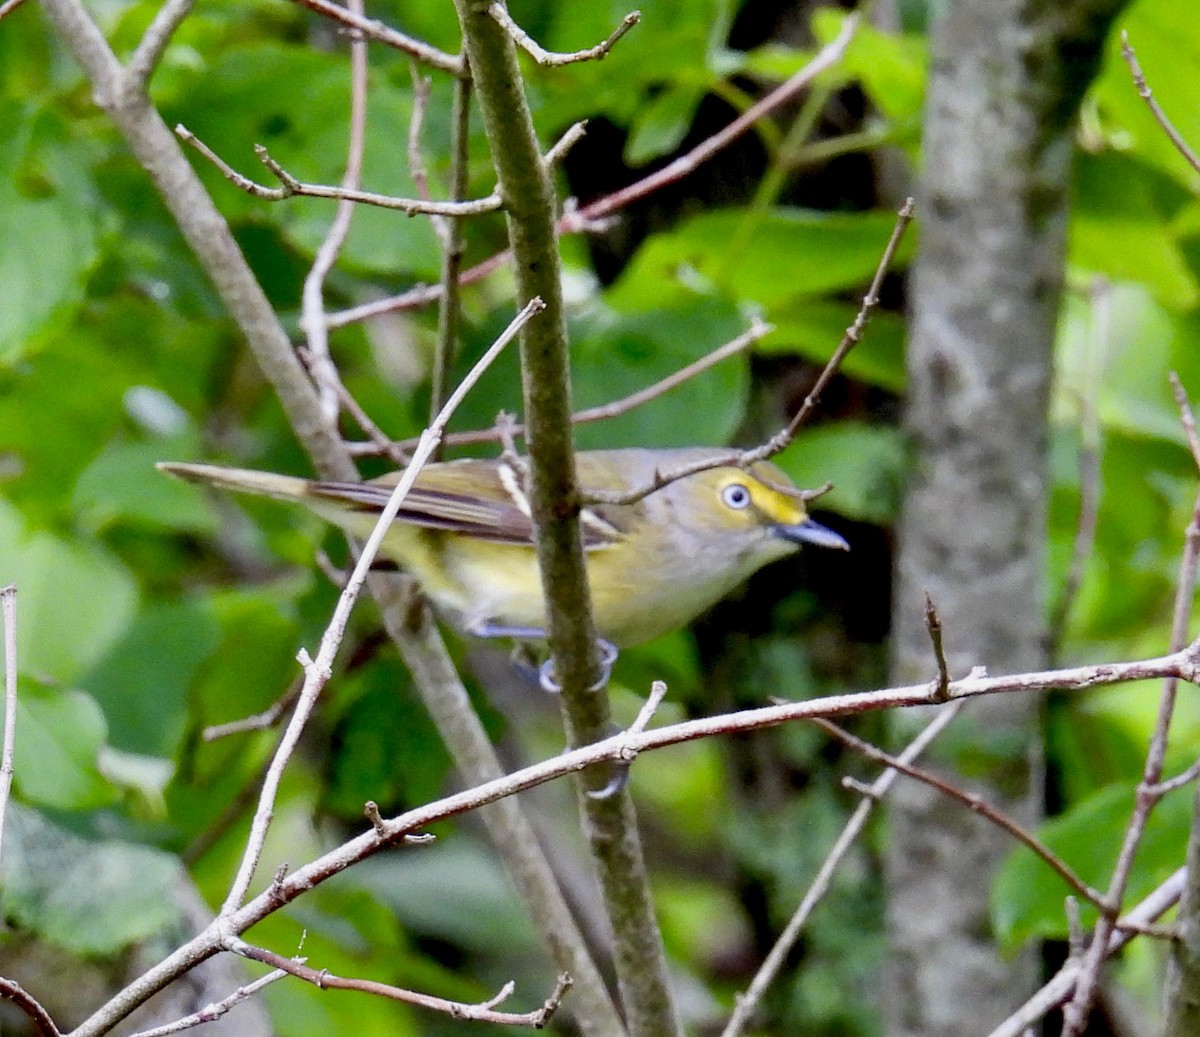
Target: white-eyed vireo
x=465 y=532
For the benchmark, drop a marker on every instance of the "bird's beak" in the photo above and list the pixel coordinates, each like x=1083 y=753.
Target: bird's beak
x=810 y=532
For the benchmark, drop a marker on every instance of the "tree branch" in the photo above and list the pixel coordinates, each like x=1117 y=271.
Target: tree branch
x=610 y=823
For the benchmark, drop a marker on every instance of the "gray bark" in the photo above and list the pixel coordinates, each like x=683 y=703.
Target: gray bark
x=1006 y=78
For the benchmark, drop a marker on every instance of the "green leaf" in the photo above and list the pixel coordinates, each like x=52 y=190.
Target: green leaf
x=91 y=898
x=142 y=683
x=1027 y=898
x=892 y=67
x=59 y=736
x=661 y=124
x=47 y=228
x=1126 y=372
x=865 y=463
x=1121 y=227
x=613 y=354
x=813 y=328
x=386 y=748
x=122 y=485
x=75 y=599
x=770 y=258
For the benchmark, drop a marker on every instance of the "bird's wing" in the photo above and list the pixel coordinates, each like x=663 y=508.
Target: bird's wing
x=478 y=498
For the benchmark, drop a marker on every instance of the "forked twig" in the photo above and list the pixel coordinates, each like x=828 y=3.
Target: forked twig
x=484 y=1012
x=549 y=58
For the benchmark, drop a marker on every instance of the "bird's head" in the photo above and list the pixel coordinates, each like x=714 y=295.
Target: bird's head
x=758 y=512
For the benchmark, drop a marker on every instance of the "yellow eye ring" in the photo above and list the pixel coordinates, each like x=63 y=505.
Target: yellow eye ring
x=735 y=496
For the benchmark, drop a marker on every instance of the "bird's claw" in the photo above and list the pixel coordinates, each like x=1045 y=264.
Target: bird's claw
x=608 y=656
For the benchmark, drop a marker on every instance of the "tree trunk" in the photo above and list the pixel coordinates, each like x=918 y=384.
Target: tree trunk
x=1006 y=78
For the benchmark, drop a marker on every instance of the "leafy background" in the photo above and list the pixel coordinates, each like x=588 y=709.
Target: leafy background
x=149 y=610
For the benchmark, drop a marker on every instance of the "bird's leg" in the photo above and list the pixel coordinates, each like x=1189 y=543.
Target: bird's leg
x=608 y=651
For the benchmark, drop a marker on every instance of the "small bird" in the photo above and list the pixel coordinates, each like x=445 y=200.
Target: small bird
x=465 y=532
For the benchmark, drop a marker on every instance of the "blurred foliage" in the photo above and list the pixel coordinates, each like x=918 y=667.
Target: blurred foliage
x=150 y=610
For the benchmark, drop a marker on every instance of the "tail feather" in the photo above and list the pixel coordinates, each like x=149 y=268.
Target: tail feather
x=243 y=480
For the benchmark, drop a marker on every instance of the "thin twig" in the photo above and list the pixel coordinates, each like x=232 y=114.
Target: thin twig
x=212 y=1012
x=1186 y=418
x=421 y=88
x=781 y=439
x=316 y=332
x=773 y=964
x=1059 y=988
x=974 y=803
x=825 y=58
x=12 y=991
x=1143 y=89
x=586 y=217
x=317 y=671
x=263 y=721
x=616 y=408
x=8 y=605
x=381 y=443
x=8 y=7
x=453 y=249
x=385 y=34
x=933 y=624
x=549 y=58
x=293 y=187
x=1089 y=465
x=1180 y=780
x=1076 y=1012
x=484 y=1012
x=153 y=43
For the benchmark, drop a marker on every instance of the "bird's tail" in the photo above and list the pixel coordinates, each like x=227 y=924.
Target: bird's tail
x=243 y=480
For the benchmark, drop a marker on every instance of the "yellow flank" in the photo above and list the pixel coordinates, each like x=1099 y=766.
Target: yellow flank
x=466 y=534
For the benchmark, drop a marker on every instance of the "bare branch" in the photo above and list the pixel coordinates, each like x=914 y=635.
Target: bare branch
x=318 y=671
x=548 y=58
x=1059 y=988
x=826 y=58
x=263 y=721
x=37 y=1015
x=974 y=803
x=1143 y=89
x=381 y=443
x=483 y=1013
x=872 y=794
x=312 y=320
x=212 y=1012
x=584 y=218
x=154 y=41
x=293 y=187
x=558 y=150
x=385 y=34
x=1184 y=664
x=933 y=624
x=1076 y=1012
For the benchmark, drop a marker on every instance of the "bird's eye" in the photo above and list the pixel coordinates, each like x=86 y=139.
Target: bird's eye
x=735 y=495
